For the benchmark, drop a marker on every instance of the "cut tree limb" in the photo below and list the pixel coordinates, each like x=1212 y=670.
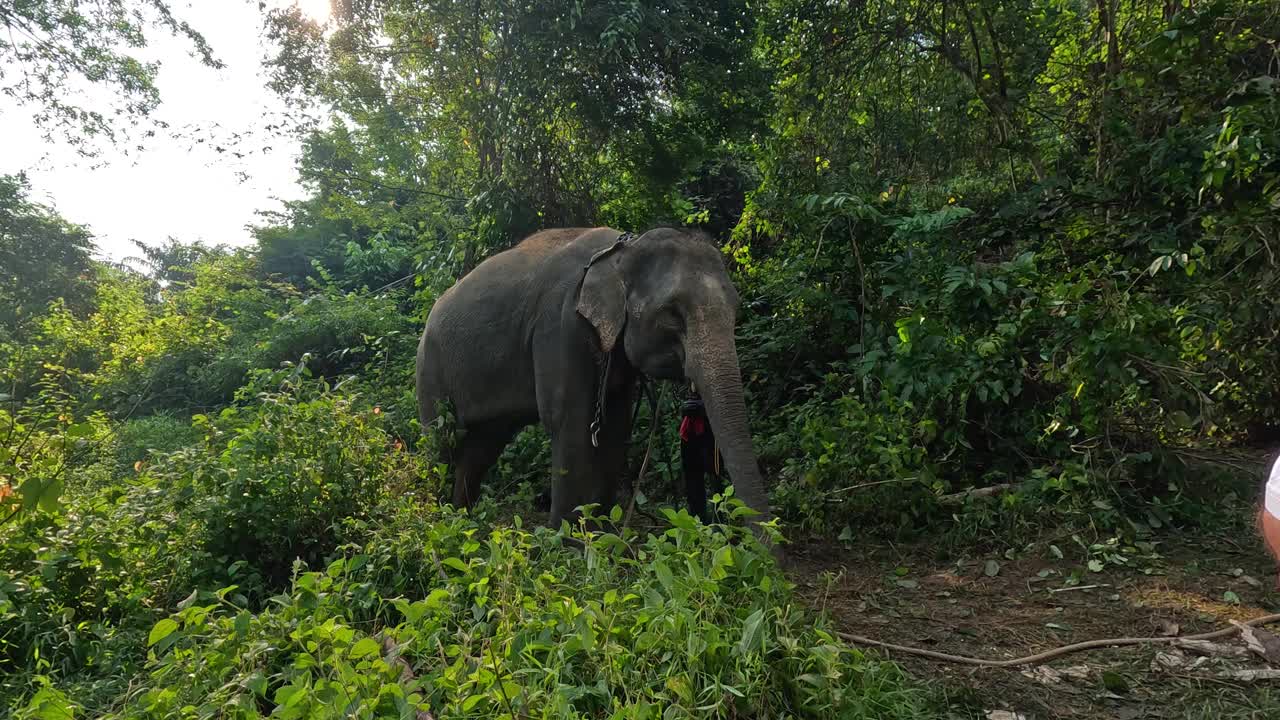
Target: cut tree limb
x=1211 y=649
x=1250 y=675
x=1266 y=645
x=973 y=493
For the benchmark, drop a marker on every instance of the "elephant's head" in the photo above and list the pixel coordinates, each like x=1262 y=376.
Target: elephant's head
x=667 y=298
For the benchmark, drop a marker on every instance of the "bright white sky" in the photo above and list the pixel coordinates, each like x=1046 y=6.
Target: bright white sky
x=171 y=189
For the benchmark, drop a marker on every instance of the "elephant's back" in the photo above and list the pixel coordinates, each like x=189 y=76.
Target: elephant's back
x=545 y=242
x=478 y=334
x=535 y=265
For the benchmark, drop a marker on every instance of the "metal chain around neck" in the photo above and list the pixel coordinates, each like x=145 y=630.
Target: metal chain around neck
x=598 y=422
x=606 y=363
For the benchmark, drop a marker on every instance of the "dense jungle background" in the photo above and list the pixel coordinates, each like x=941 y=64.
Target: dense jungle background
x=1027 y=246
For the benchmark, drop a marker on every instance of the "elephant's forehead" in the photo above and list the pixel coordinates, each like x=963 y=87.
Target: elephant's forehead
x=717 y=288
x=710 y=295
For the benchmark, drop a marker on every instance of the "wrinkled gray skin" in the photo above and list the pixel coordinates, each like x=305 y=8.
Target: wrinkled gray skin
x=520 y=338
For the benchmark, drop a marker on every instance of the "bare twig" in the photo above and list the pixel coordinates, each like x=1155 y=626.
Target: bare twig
x=1250 y=675
x=644 y=463
x=1079 y=587
x=867 y=485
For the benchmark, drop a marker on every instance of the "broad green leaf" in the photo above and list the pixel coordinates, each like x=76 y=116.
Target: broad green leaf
x=665 y=578
x=290 y=695
x=161 y=630
x=751 y=632
x=364 y=648
x=79 y=430
x=257 y=684
x=242 y=623
x=456 y=564
x=50 y=496
x=49 y=703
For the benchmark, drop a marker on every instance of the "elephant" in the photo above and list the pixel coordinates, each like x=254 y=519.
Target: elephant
x=558 y=329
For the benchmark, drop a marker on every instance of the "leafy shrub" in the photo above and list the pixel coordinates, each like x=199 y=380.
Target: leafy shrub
x=141 y=439
x=80 y=581
x=853 y=459
x=45 y=447
x=85 y=563
x=523 y=465
x=339 y=332
x=438 y=614
x=1076 y=328
x=270 y=481
x=192 y=348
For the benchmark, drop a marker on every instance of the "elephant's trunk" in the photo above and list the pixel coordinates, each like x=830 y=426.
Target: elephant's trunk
x=711 y=361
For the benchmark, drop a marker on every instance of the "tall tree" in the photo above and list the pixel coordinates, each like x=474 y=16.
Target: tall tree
x=49 y=49
x=43 y=257
x=531 y=115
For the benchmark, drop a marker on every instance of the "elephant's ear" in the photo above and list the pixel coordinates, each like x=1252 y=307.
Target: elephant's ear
x=602 y=300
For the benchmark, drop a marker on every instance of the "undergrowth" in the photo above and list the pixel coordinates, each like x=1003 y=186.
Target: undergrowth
x=162 y=594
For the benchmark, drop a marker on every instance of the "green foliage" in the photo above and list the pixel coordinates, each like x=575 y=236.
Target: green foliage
x=193 y=347
x=1048 y=264
x=84 y=565
x=457 y=130
x=339 y=332
x=115 y=601
x=50 y=45
x=826 y=482
x=75 y=589
x=41 y=444
x=42 y=258
x=273 y=478
x=438 y=614
x=931 y=325
x=140 y=440
x=84 y=554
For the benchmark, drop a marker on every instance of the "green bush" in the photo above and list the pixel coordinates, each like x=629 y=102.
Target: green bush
x=87 y=560
x=271 y=480
x=144 y=438
x=80 y=584
x=339 y=332
x=439 y=614
x=1100 y=316
x=853 y=460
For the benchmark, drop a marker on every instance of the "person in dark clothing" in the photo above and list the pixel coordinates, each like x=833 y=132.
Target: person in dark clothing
x=699 y=457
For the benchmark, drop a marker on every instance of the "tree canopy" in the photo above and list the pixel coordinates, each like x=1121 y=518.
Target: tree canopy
x=54 y=51
x=42 y=258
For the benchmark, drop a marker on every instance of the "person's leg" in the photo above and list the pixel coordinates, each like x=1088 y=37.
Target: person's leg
x=695 y=488
x=1270 y=526
x=1269 y=515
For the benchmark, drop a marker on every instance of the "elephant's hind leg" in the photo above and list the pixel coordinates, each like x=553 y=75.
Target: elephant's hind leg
x=475 y=453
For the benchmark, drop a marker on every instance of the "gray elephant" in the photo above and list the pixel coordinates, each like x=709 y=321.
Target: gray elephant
x=557 y=329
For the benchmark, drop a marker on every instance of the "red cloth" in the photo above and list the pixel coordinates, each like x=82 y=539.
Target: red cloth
x=691 y=427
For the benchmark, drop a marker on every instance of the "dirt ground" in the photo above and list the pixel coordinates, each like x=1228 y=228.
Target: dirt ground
x=996 y=607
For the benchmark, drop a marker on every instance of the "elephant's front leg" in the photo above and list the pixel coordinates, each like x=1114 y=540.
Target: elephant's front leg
x=584 y=473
